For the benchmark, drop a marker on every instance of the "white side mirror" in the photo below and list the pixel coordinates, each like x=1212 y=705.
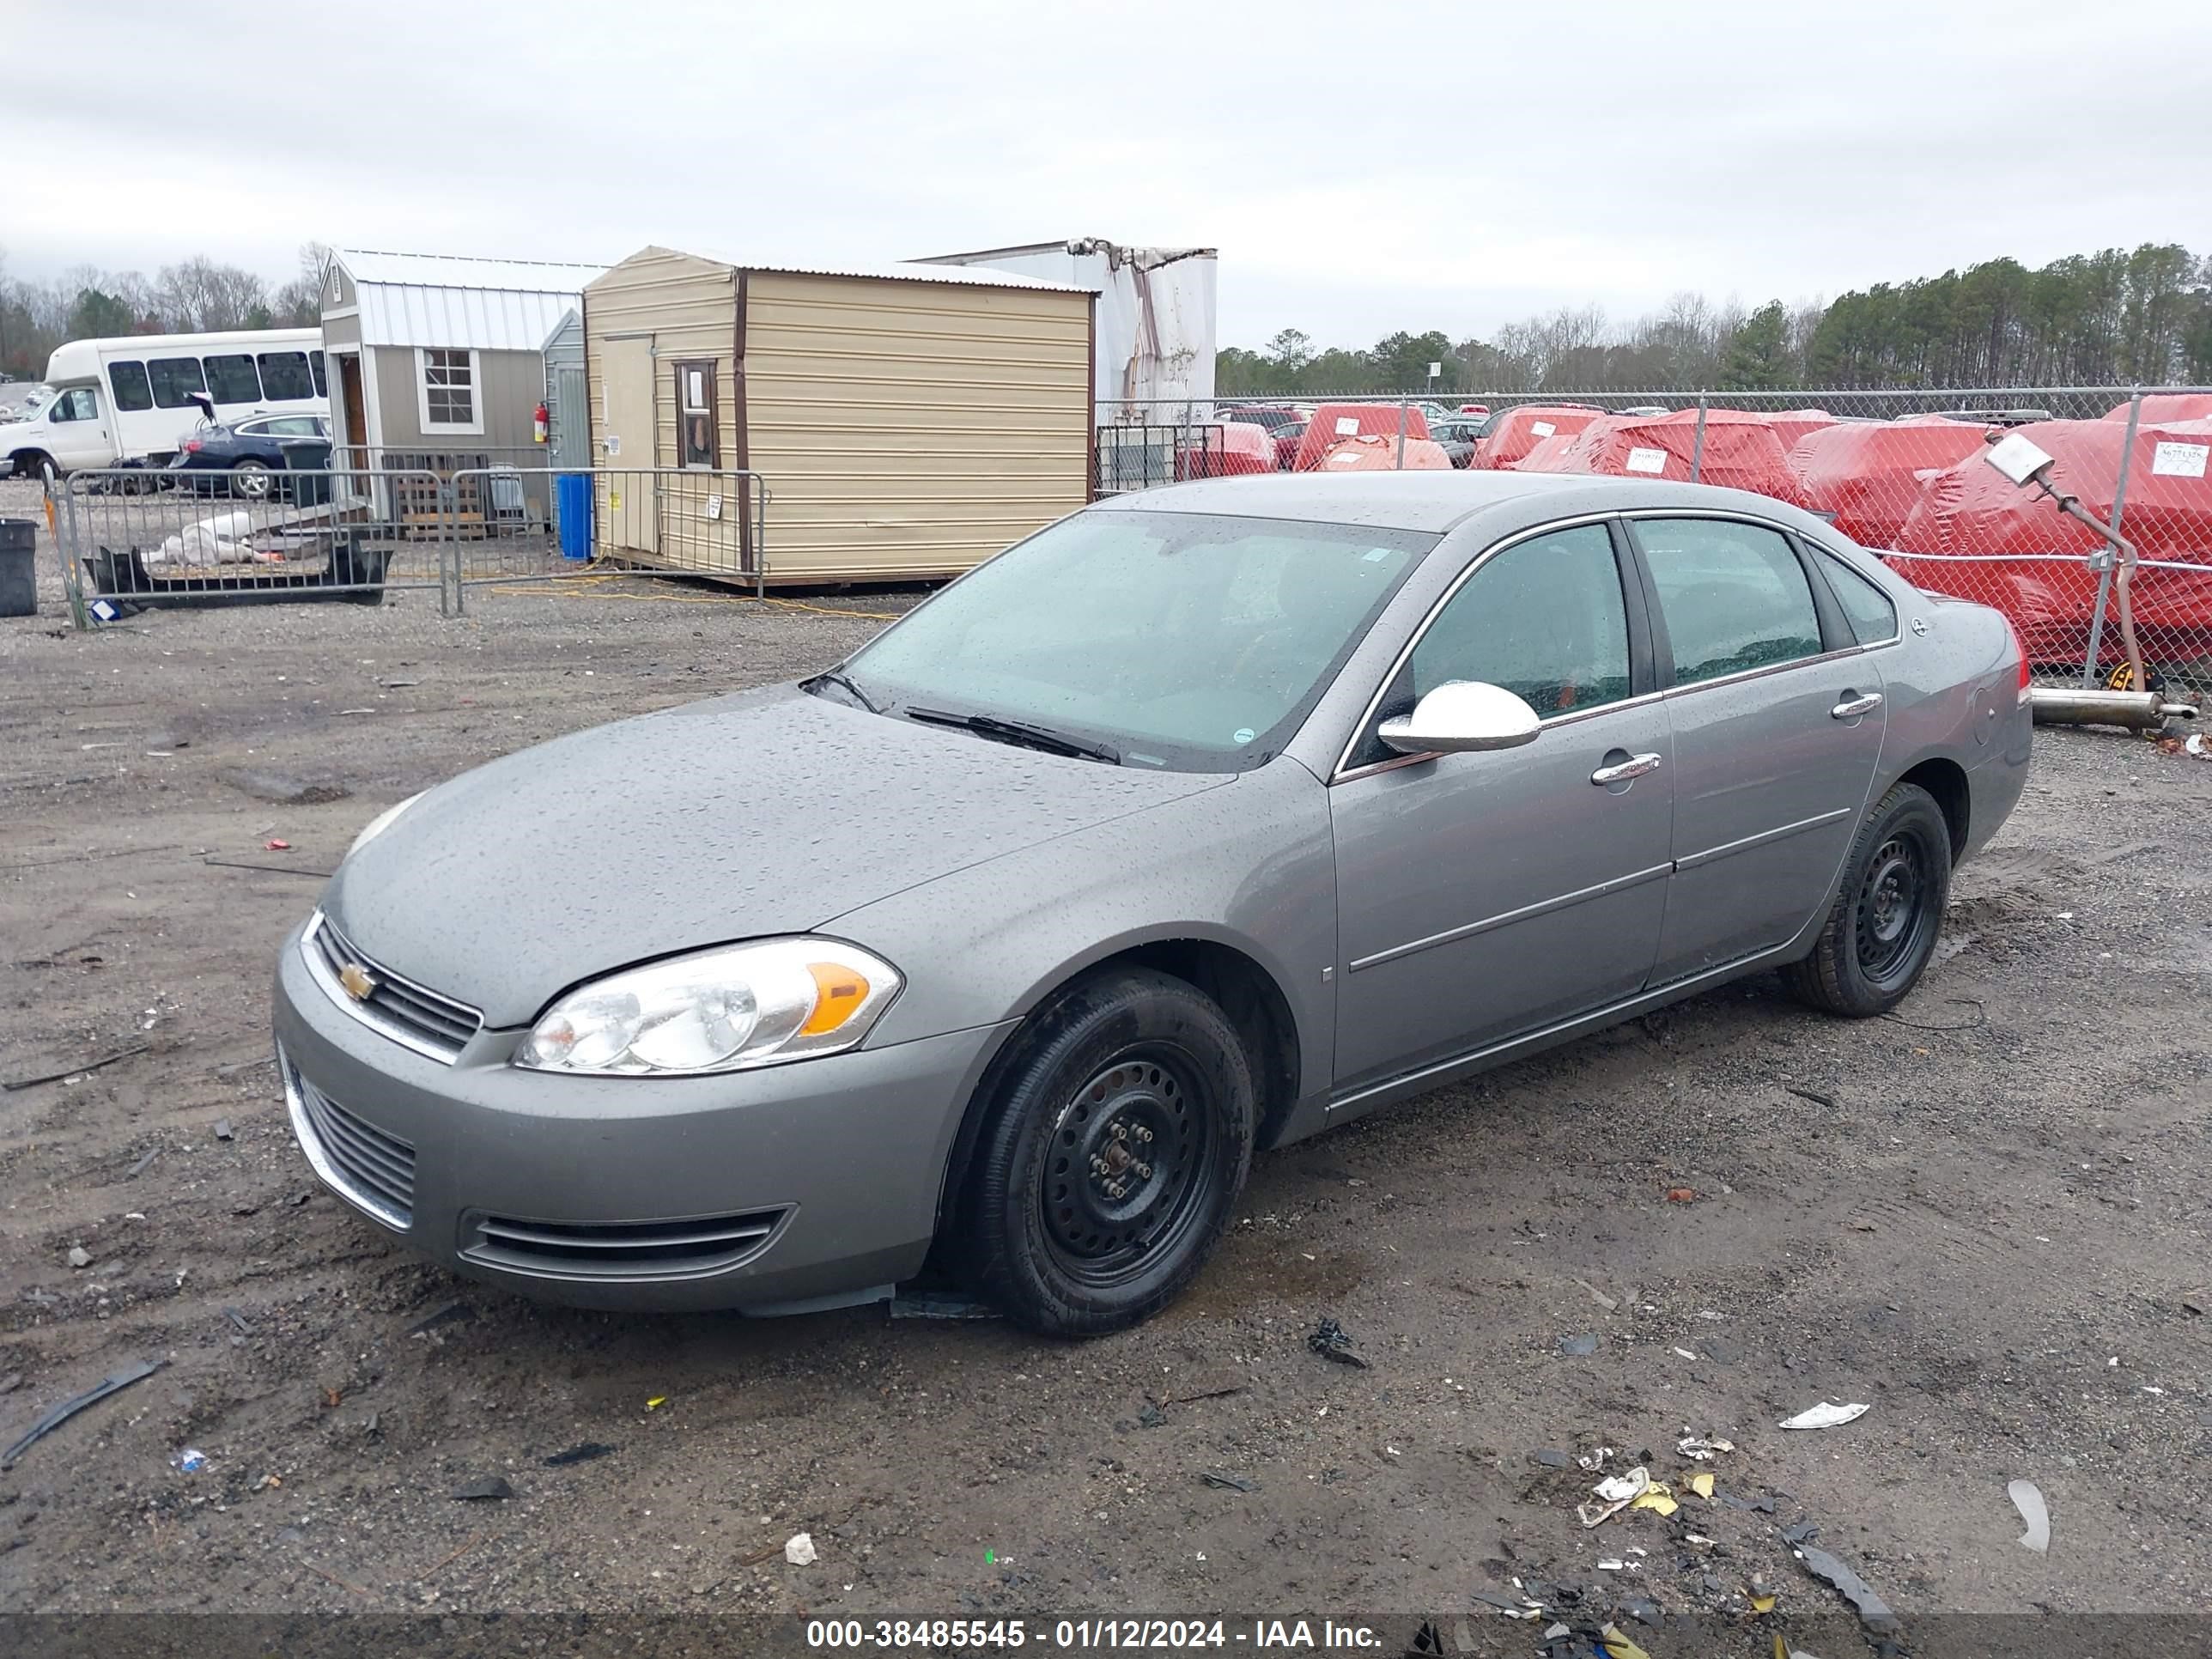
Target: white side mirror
x=2018 y=458
x=1461 y=716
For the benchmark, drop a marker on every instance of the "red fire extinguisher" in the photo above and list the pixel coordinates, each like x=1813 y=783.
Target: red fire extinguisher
x=540 y=424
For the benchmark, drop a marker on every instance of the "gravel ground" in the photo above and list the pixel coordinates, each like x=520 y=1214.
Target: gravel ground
x=1984 y=1219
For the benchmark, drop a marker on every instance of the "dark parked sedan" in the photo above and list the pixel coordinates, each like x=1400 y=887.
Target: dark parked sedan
x=1206 y=819
x=249 y=453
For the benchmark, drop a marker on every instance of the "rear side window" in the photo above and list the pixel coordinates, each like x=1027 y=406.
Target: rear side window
x=284 y=375
x=231 y=379
x=1874 y=618
x=1733 y=596
x=176 y=379
x=128 y=382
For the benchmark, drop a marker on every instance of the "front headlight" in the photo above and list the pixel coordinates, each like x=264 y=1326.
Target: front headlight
x=726 y=1010
x=382 y=822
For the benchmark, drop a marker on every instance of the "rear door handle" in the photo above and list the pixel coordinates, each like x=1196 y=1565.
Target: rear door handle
x=1852 y=708
x=1635 y=766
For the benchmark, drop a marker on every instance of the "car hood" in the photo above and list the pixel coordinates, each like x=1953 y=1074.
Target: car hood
x=767 y=812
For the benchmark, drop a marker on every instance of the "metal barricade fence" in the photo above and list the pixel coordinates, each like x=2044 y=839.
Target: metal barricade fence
x=136 y=536
x=1901 y=471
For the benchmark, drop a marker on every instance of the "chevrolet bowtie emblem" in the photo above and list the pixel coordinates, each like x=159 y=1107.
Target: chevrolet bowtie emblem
x=358 y=984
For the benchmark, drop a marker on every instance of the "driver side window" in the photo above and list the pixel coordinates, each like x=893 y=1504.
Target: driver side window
x=1545 y=618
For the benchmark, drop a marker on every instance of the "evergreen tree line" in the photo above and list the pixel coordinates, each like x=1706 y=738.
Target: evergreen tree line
x=2108 y=318
x=196 y=295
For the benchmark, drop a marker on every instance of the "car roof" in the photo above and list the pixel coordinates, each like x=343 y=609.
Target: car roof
x=1439 y=501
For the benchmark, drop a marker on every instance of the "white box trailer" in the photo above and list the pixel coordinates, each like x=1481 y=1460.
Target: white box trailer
x=138 y=397
x=1156 y=316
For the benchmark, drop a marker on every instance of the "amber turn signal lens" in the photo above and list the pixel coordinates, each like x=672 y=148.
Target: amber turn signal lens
x=838 y=993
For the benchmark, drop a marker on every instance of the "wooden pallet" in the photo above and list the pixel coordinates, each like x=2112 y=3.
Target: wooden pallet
x=431 y=507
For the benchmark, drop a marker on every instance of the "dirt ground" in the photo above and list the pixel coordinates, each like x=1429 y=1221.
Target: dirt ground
x=1984 y=1219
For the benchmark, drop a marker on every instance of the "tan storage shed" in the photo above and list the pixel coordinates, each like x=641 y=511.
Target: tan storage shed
x=909 y=420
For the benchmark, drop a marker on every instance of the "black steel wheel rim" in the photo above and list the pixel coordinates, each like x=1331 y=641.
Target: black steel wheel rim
x=1893 y=911
x=1125 y=1177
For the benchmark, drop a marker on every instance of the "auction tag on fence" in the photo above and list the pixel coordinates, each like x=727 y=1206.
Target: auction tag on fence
x=1542 y=429
x=2180 y=460
x=1348 y=426
x=1647 y=460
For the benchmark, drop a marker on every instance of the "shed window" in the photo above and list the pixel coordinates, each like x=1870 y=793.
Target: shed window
x=699 y=438
x=447 y=385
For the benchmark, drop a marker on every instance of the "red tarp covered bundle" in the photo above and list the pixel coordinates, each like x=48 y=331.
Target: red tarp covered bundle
x=1378 y=453
x=1225 y=449
x=1867 y=474
x=1517 y=431
x=1970 y=512
x=1741 y=449
x=1334 y=422
x=2162 y=408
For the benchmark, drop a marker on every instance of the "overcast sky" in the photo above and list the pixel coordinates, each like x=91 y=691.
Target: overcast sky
x=1362 y=168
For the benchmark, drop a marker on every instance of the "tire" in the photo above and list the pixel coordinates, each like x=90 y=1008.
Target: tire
x=1883 y=929
x=250 y=479
x=1141 y=1078
x=33 y=465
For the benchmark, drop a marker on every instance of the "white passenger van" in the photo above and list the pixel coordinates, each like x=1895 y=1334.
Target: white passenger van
x=138 y=397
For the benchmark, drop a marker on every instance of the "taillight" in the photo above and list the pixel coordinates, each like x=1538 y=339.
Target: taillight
x=2020 y=647
x=193 y=445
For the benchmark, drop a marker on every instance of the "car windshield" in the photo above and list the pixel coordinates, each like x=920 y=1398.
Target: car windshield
x=1188 y=641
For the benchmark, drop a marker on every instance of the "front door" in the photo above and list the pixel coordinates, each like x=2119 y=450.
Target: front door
x=351 y=406
x=78 y=416
x=1483 y=896
x=1778 y=722
x=629 y=515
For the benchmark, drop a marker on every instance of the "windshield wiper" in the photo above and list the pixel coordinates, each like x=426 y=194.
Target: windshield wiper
x=1017 y=732
x=843 y=682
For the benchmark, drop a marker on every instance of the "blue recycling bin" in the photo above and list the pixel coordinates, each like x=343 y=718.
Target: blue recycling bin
x=572 y=512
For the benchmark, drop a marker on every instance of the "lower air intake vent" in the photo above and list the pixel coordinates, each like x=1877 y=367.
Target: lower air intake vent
x=621 y=1250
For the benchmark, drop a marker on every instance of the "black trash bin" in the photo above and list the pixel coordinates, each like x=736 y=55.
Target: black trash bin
x=18 y=576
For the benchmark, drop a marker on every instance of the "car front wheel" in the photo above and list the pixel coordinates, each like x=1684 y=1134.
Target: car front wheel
x=1118 y=1141
x=1879 y=936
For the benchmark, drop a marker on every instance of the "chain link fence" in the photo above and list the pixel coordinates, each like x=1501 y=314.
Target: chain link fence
x=1902 y=472
x=133 y=538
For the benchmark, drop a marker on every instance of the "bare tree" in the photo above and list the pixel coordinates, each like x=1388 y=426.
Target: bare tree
x=200 y=295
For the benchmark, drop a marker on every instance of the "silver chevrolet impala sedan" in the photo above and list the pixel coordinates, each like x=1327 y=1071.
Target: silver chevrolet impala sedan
x=1201 y=821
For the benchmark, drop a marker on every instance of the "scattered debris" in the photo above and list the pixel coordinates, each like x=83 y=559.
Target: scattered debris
x=2199 y=745
x=1594 y=1460
x=1615 y=1645
x=488 y=1486
x=1578 y=1347
x=1553 y=1459
x=1763 y=1603
x=140 y=1167
x=1813 y=1095
x=1874 y=1612
x=656 y=1403
x=939 y=1304
x=1207 y=1385
x=1702 y=1484
x=60 y=1414
x=1643 y=1612
x=189 y=1460
x=1614 y=1494
x=10 y=1383
x=275 y=845
x=2029 y=1502
x=1681 y=1195
x=454 y=1313
x=579 y=1454
x=1700 y=1449
x=222 y=1129
x=798 y=1549
x=1606 y=1301
x=79 y=1256
x=1825 y=1416
x=1150 y=1416
x=1657 y=1496
x=1332 y=1341
x=77 y=1071
x=1611 y=1563
x=1228 y=1482
x=1685 y=1354
x=1801 y=1531
x=270 y=869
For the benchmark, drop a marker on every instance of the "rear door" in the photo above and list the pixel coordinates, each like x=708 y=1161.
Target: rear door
x=1482 y=895
x=1778 y=719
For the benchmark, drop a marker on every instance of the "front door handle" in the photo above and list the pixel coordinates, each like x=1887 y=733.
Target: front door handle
x=1634 y=767
x=1851 y=708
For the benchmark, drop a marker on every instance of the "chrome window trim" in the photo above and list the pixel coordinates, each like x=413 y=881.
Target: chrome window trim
x=319 y=971
x=1896 y=611
x=1343 y=771
x=1763 y=670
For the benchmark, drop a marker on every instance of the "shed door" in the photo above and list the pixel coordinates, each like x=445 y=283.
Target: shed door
x=571 y=419
x=628 y=429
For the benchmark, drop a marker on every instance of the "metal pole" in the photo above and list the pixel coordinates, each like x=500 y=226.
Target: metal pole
x=2104 y=577
x=1698 y=443
x=1402 y=417
x=72 y=579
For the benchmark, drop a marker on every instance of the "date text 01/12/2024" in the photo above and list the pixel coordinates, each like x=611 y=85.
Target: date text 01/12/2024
x=1086 y=1635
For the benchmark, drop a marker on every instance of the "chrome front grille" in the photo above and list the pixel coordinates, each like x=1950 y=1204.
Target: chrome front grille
x=373 y=1167
x=620 y=1249
x=406 y=1012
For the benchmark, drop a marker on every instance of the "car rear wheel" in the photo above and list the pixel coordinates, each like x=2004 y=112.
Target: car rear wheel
x=1118 y=1139
x=1882 y=932
x=250 y=478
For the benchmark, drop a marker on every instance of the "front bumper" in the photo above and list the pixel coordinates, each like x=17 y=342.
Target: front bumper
x=769 y=1191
